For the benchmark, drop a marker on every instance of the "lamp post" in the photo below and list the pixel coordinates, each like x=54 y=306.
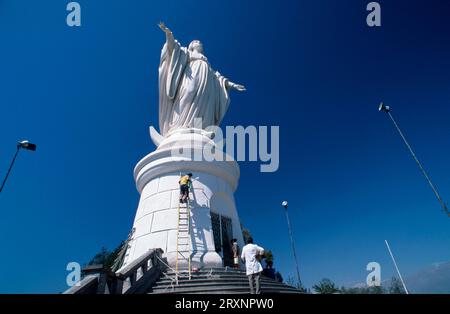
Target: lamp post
x=387 y=110
x=396 y=267
x=285 y=205
x=25 y=145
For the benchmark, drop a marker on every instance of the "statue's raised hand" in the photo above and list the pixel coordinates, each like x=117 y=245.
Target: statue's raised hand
x=169 y=36
x=163 y=27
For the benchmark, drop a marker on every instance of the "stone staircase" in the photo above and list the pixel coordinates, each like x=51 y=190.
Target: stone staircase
x=215 y=281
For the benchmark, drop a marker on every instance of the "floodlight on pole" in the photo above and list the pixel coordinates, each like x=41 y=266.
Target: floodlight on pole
x=285 y=205
x=27 y=145
x=21 y=145
x=387 y=110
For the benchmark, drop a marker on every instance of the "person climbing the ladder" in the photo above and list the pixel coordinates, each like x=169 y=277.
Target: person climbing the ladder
x=185 y=184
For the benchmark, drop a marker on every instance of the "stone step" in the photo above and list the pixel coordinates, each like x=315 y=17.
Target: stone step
x=216 y=273
x=197 y=274
x=228 y=292
x=184 y=280
x=218 y=269
x=215 y=281
x=230 y=278
x=221 y=287
x=207 y=289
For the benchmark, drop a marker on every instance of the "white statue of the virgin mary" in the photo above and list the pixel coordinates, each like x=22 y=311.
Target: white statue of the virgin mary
x=189 y=88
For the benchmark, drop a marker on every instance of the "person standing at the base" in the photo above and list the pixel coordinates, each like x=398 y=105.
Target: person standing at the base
x=249 y=255
x=185 y=184
x=235 y=251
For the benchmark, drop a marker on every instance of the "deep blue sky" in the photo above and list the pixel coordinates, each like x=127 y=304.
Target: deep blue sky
x=87 y=96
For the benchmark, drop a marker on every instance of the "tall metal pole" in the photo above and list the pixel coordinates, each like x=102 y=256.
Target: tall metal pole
x=388 y=111
x=292 y=241
x=396 y=267
x=10 y=167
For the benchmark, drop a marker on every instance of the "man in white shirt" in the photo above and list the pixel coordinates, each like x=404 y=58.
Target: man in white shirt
x=252 y=265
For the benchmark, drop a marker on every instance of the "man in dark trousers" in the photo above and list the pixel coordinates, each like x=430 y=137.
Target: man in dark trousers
x=249 y=255
x=235 y=251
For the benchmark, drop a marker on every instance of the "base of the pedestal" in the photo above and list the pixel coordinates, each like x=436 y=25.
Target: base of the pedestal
x=198 y=260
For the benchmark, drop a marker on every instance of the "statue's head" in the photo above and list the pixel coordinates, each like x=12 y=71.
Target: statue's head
x=196 y=45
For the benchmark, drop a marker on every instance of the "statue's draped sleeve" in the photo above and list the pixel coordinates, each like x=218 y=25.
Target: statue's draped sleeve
x=223 y=98
x=171 y=68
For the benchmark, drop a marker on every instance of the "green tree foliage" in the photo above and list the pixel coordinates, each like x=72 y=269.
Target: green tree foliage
x=376 y=290
x=246 y=234
x=268 y=256
x=363 y=290
x=105 y=257
x=278 y=277
x=396 y=287
x=325 y=286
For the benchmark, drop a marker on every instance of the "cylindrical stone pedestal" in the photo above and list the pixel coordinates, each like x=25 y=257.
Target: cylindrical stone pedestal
x=214 y=183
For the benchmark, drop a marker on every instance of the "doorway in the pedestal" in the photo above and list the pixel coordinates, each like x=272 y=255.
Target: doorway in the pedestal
x=223 y=234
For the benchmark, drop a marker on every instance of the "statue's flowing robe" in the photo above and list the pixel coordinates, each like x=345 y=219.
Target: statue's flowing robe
x=189 y=88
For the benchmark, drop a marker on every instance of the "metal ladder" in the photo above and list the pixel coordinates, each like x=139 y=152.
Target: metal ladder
x=183 y=238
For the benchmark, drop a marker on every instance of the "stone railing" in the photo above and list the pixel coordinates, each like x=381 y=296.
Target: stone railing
x=88 y=285
x=137 y=277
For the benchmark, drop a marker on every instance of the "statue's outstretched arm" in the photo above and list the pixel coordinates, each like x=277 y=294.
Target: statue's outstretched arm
x=170 y=40
x=230 y=85
x=235 y=86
